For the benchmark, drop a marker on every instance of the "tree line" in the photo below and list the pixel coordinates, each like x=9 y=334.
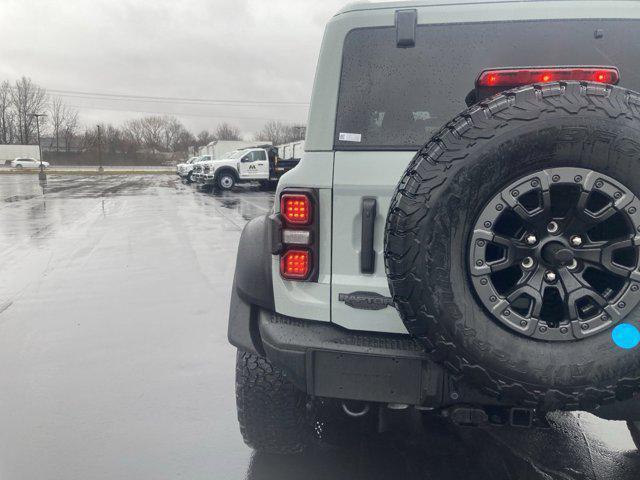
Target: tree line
x=153 y=133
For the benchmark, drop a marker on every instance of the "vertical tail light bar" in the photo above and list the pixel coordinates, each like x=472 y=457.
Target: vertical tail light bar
x=294 y=234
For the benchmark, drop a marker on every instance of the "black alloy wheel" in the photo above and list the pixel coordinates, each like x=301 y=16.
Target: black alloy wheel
x=554 y=256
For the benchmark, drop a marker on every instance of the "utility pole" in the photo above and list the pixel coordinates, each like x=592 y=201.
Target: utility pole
x=37 y=116
x=100 y=168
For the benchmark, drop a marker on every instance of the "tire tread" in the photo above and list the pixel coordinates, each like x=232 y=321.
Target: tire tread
x=419 y=188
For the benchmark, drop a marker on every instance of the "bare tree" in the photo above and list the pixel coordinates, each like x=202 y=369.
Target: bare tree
x=56 y=119
x=63 y=122
x=7 y=115
x=27 y=98
x=204 y=138
x=158 y=133
x=273 y=131
x=112 y=138
x=70 y=128
x=227 y=132
x=184 y=140
x=278 y=133
x=173 y=133
x=153 y=128
x=133 y=135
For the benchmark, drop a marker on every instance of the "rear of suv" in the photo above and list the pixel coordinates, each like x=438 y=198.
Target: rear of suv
x=481 y=265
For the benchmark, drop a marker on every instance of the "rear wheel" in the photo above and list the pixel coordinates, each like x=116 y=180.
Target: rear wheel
x=271 y=411
x=513 y=248
x=226 y=181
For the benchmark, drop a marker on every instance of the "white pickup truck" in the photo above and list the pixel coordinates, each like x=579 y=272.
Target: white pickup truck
x=185 y=170
x=252 y=164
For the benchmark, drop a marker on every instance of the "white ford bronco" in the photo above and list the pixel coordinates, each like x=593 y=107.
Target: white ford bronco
x=462 y=235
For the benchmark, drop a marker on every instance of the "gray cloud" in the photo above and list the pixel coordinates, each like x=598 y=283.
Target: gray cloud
x=220 y=49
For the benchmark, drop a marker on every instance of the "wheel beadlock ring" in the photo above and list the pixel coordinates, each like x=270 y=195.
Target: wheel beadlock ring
x=580 y=304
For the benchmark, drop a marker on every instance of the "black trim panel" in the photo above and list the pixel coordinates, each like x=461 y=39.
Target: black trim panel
x=367 y=253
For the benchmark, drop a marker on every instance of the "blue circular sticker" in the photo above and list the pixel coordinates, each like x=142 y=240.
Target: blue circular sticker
x=626 y=336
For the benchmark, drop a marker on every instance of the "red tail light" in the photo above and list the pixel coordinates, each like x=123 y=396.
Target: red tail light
x=296 y=208
x=295 y=234
x=295 y=264
x=515 y=77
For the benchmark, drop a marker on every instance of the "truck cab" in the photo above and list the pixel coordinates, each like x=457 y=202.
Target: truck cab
x=254 y=164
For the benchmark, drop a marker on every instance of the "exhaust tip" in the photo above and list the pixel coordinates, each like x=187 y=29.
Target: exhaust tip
x=355 y=409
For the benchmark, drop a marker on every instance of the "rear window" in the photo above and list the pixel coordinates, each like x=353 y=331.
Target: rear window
x=395 y=98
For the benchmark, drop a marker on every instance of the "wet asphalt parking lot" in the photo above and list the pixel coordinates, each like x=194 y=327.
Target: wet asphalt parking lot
x=114 y=361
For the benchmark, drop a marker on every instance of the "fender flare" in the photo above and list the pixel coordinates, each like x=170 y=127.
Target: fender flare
x=252 y=285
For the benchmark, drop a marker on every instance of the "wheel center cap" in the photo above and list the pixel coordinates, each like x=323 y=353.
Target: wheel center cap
x=557 y=254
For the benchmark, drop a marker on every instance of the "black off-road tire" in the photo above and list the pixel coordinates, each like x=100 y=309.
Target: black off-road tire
x=271 y=411
x=189 y=177
x=437 y=203
x=634 y=430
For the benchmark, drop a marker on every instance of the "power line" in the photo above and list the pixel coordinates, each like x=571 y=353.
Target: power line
x=164 y=99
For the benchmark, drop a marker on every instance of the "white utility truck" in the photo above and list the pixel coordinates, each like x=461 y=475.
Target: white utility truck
x=259 y=163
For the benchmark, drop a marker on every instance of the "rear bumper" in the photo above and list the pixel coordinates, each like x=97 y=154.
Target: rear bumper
x=325 y=360
x=328 y=361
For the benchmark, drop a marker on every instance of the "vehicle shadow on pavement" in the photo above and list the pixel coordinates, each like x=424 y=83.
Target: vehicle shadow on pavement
x=443 y=451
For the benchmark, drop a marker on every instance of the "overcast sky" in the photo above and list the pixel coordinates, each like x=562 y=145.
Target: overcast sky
x=249 y=50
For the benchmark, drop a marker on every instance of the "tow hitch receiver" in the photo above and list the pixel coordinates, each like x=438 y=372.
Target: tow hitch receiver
x=467 y=416
x=521 y=417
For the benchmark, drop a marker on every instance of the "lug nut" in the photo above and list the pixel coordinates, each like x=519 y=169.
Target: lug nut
x=573 y=265
x=553 y=227
x=531 y=239
x=527 y=263
x=576 y=241
x=550 y=276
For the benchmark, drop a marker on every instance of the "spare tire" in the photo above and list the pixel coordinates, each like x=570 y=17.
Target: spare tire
x=512 y=244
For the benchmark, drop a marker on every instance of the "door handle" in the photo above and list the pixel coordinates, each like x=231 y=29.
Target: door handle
x=367 y=253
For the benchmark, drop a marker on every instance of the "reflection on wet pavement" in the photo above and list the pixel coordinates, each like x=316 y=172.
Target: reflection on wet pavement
x=114 y=361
